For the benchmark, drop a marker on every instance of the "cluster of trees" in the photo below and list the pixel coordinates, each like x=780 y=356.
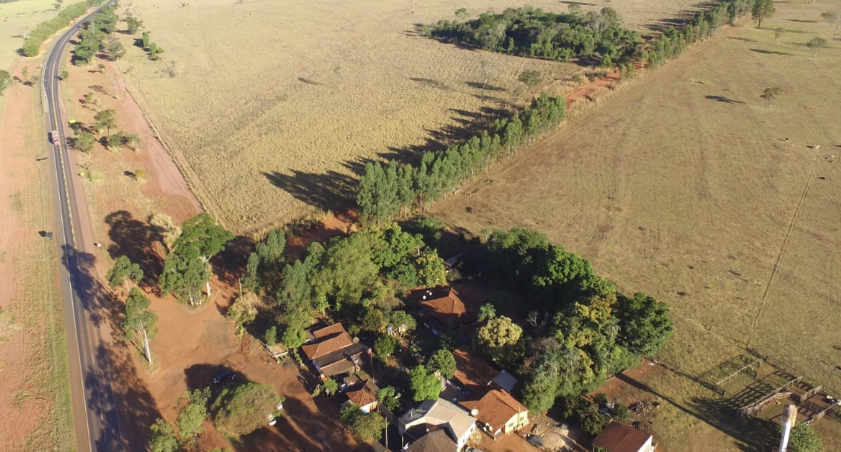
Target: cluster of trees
x=96 y=37
x=145 y=43
x=386 y=191
x=367 y=427
x=581 y=330
x=32 y=44
x=586 y=413
x=536 y=33
x=187 y=268
x=138 y=320
x=356 y=276
x=235 y=412
x=104 y=120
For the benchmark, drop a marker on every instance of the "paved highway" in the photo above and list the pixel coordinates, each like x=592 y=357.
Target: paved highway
x=96 y=423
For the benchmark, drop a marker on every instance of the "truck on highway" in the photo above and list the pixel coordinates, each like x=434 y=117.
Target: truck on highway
x=54 y=137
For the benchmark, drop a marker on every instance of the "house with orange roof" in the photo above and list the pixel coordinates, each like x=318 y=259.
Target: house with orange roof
x=498 y=413
x=618 y=437
x=364 y=396
x=446 y=306
x=332 y=351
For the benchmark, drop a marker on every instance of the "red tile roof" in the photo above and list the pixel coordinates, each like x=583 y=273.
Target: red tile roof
x=472 y=369
x=495 y=408
x=327 y=340
x=447 y=307
x=365 y=395
x=618 y=437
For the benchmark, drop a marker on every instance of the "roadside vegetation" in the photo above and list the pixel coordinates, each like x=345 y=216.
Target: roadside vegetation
x=45 y=30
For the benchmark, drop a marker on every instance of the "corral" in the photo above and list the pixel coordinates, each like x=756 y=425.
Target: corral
x=268 y=109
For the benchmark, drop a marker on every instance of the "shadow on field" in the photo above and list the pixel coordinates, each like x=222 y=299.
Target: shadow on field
x=94 y=294
x=327 y=191
x=337 y=191
x=135 y=239
x=769 y=52
x=739 y=38
x=717 y=413
x=723 y=99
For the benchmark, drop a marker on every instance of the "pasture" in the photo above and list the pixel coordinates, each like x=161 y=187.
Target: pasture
x=16 y=20
x=270 y=108
x=686 y=185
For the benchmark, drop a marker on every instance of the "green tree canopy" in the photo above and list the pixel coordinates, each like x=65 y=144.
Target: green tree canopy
x=644 y=324
x=192 y=411
x=816 y=44
x=423 y=384
x=139 y=322
x=123 y=271
x=402 y=322
x=105 y=119
x=443 y=362
x=762 y=9
x=242 y=410
x=389 y=398
x=294 y=337
x=384 y=346
x=162 y=437
x=502 y=340
x=804 y=439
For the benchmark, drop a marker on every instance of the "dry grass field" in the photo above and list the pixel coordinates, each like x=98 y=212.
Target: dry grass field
x=16 y=20
x=687 y=186
x=270 y=108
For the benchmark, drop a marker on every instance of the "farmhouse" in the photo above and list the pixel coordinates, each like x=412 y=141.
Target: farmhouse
x=363 y=395
x=497 y=412
x=475 y=376
x=618 y=437
x=332 y=351
x=438 y=414
x=445 y=306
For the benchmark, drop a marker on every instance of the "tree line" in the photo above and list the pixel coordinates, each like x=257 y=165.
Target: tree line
x=536 y=33
x=32 y=44
x=387 y=191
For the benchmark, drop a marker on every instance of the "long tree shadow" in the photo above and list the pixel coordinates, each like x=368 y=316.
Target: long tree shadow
x=327 y=191
x=121 y=400
x=770 y=52
x=95 y=296
x=718 y=414
x=135 y=239
x=723 y=99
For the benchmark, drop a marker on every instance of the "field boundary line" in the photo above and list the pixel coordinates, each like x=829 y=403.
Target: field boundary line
x=779 y=260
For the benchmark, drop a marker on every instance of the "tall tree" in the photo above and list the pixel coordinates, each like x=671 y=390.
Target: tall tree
x=84 y=141
x=122 y=272
x=644 y=324
x=424 y=385
x=816 y=44
x=105 y=119
x=116 y=49
x=192 y=411
x=770 y=94
x=201 y=238
x=443 y=362
x=501 y=339
x=762 y=9
x=833 y=17
x=486 y=312
x=162 y=437
x=139 y=320
x=5 y=81
x=184 y=277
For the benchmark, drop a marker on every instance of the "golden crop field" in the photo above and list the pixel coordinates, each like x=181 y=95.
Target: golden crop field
x=274 y=107
x=686 y=185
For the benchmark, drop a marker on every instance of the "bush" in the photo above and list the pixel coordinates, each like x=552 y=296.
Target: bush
x=384 y=346
x=244 y=409
x=271 y=336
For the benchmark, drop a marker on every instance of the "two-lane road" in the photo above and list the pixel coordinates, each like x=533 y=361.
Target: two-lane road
x=96 y=423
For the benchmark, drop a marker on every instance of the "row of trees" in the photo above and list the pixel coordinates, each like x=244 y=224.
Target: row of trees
x=32 y=44
x=540 y=34
x=145 y=43
x=387 y=191
x=94 y=38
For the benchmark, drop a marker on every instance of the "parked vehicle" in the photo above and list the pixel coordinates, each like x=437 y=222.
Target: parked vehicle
x=225 y=374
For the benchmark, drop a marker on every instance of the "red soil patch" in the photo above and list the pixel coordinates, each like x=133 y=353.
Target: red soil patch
x=333 y=226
